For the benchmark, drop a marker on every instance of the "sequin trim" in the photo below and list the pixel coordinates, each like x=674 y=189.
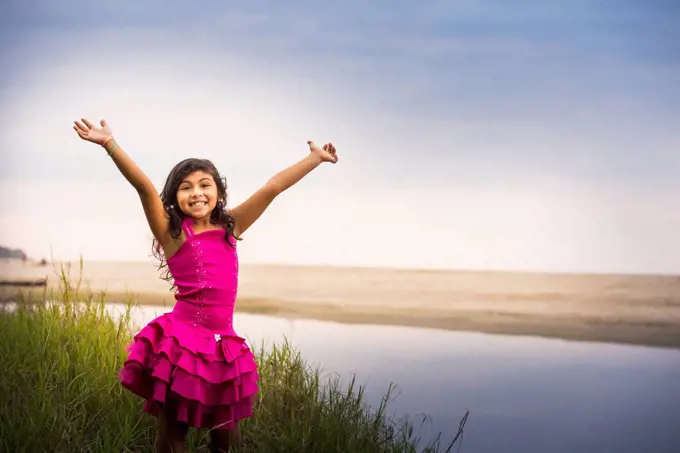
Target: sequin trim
x=200 y=270
x=197 y=253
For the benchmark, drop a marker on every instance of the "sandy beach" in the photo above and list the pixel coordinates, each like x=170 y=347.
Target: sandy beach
x=640 y=310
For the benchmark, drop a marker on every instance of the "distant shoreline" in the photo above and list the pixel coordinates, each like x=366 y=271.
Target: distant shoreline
x=637 y=310
x=575 y=328
x=555 y=326
x=488 y=271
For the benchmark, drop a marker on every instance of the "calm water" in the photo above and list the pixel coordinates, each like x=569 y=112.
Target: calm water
x=524 y=394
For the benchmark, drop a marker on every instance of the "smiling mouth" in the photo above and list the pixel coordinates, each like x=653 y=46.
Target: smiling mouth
x=197 y=204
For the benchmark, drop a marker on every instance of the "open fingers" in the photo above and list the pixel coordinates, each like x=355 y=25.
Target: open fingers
x=80 y=126
x=80 y=132
x=87 y=123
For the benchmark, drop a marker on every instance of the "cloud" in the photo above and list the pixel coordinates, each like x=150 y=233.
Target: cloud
x=541 y=136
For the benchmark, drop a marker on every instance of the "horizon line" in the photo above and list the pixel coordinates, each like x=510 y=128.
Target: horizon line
x=392 y=268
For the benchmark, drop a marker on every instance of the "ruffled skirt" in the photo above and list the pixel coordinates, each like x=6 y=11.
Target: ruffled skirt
x=200 y=378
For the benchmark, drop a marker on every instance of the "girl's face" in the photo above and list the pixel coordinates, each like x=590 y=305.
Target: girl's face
x=197 y=195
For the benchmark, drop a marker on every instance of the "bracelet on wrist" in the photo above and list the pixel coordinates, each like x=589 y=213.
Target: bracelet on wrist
x=113 y=148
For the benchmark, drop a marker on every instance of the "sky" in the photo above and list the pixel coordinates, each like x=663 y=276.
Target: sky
x=532 y=135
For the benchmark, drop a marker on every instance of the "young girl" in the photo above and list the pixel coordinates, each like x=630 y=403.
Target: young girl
x=190 y=365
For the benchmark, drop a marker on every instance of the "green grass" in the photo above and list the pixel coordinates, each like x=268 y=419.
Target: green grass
x=60 y=392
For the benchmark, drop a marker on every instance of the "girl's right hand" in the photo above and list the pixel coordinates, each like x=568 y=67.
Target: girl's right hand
x=93 y=134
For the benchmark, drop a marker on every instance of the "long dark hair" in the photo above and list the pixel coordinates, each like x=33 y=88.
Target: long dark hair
x=219 y=216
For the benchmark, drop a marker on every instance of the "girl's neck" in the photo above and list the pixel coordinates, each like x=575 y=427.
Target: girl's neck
x=202 y=224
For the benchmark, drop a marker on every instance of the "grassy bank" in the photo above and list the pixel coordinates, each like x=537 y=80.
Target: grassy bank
x=60 y=392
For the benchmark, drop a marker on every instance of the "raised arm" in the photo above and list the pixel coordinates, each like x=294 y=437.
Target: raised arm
x=250 y=210
x=151 y=202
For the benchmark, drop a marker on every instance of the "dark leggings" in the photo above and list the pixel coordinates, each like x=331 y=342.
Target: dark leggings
x=172 y=437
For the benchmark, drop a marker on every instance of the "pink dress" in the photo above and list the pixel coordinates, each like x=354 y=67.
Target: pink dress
x=190 y=361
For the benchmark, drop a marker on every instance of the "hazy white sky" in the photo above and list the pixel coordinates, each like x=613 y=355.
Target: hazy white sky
x=539 y=136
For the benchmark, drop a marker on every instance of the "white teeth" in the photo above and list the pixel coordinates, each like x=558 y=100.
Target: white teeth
x=197 y=203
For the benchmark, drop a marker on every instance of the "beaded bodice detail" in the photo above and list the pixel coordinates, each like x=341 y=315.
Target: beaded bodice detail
x=205 y=271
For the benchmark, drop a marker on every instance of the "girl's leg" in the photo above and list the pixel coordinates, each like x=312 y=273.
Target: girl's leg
x=222 y=439
x=171 y=435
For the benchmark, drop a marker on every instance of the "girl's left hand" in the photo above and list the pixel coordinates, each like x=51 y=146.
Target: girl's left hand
x=91 y=133
x=326 y=153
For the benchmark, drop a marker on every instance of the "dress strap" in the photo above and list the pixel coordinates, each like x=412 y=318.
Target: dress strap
x=186 y=226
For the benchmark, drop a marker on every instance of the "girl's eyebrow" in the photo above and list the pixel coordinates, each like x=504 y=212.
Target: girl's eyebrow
x=200 y=180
